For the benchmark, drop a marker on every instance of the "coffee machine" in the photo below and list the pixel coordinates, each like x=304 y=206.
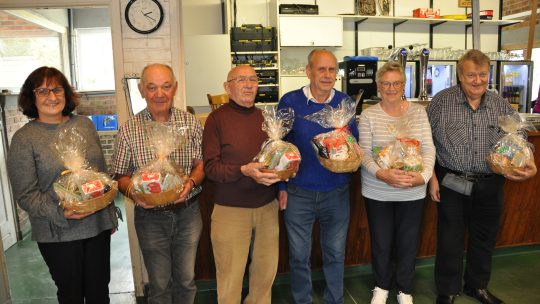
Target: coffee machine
x=359 y=74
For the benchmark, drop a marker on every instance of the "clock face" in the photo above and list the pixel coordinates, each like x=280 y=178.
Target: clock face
x=144 y=16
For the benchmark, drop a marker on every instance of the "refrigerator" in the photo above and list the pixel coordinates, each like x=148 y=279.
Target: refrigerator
x=410 y=75
x=514 y=79
x=440 y=75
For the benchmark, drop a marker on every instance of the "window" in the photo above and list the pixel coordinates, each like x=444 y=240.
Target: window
x=25 y=46
x=94 y=45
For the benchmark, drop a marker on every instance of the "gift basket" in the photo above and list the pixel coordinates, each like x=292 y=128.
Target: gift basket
x=337 y=150
x=404 y=152
x=512 y=150
x=80 y=188
x=160 y=181
x=278 y=156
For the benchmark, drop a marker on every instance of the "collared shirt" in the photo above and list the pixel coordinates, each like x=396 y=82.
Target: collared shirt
x=463 y=137
x=131 y=150
x=309 y=95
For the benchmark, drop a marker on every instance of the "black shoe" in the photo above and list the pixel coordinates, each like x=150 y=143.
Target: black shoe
x=482 y=295
x=444 y=299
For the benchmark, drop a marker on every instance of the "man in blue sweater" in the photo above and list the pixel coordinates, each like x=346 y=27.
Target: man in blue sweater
x=315 y=192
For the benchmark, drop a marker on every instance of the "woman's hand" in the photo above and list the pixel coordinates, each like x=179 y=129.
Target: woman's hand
x=396 y=178
x=71 y=215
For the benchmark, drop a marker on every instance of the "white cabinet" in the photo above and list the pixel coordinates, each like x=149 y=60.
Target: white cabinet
x=310 y=30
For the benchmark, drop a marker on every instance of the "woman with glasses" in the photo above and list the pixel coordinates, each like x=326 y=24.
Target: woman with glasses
x=394 y=195
x=75 y=246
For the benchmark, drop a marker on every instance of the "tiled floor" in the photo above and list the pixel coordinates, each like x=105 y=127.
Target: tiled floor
x=515 y=278
x=30 y=281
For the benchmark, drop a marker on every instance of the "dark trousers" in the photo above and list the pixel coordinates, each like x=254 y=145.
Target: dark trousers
x=80 y=269
x=479 y=215
x=394 y=224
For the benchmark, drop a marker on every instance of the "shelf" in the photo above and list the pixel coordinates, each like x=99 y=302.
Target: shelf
x=268 y=85
x=254 y=52
x=402 y=19
x=265 y=68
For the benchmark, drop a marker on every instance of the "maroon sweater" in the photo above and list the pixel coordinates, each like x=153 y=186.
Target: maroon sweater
x=232 y=136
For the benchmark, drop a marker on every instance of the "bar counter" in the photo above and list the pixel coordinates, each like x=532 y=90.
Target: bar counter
x=520 y=224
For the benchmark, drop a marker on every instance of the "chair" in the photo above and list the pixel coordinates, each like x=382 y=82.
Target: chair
x=216 y=101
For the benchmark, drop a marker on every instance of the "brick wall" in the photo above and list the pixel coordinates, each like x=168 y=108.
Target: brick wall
x=97 y=104
x=15 y=27
x=510 y=7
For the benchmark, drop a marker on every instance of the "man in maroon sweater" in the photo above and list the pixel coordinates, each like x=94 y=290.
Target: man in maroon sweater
x=245 y=207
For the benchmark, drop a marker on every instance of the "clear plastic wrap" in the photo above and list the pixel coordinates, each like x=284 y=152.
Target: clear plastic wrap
x=278 y=156
x=160 y=181
x=337 y=150
x=404 y=152
x=80 y=188
x=512 y=150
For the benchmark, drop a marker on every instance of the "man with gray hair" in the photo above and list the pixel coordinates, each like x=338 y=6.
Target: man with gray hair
x=168 y=236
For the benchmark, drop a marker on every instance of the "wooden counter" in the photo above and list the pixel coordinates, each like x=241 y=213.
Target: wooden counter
x=520 y=224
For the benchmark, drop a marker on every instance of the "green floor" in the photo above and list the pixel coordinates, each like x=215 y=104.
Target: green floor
x=516 y=278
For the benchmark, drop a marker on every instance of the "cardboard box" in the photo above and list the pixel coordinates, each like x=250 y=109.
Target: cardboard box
x=427 y=13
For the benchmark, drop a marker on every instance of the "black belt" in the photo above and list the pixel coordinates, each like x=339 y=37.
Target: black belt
x=177 y=206
x=470 y=175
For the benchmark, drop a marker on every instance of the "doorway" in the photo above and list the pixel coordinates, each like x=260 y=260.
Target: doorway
x=63 y=58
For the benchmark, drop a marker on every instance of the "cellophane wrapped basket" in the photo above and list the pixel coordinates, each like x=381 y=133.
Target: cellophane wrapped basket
x=278 y=156
x=80 y=188
x=512 y=150
x=405 y=151
x=160 y=181
x=337 y=150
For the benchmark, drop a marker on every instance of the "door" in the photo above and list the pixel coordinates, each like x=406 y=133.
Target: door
x=7 y=220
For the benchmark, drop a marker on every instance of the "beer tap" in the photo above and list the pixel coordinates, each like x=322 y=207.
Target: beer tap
x=402 y=59
x=424 y=58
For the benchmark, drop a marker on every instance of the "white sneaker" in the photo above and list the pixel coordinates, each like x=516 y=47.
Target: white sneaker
x=403 y=298
x=379 y=296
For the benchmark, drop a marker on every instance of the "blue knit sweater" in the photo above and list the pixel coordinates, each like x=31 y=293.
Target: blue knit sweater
x=311 y=174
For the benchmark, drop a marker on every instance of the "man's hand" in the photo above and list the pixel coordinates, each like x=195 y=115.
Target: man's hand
x=283 y=199
x=521 y=174
x=188 y=186
x=434 y=189
x=253 y=170
x=140 y=202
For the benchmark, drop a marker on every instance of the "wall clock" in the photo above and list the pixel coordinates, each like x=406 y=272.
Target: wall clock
x=144 y=16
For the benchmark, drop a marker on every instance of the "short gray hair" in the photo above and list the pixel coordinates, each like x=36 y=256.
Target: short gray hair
x=390 y=66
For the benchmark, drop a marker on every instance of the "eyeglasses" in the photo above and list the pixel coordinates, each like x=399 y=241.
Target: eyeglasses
x=44 y=92
x=153 y=88
x=395 y=84
x=472 y=76
x=244 y=79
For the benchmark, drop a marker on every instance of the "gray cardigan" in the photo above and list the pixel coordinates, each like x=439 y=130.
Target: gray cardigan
x=33 y=167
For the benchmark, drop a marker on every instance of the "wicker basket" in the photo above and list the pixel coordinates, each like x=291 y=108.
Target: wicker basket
x=498 y=168
x=94 y=204
x=342 y=166
x=282 y=174
x=160 y=199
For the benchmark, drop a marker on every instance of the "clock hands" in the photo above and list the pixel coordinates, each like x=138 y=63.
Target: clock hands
x=146 y=15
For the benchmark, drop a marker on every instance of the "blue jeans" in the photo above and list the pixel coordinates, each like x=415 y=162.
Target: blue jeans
x=168 y=241
x=332 y=210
